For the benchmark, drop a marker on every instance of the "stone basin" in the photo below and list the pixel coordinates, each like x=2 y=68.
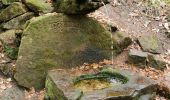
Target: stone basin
x=60 y=86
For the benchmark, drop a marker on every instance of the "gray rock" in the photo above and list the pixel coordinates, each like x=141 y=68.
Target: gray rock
x=13 y=10
x=18 y=22
x=137 y=57
x=78 y=6
x=57 y=40
x=59 y=85
x=13 y=93
x=156 y=62
x=150 y=43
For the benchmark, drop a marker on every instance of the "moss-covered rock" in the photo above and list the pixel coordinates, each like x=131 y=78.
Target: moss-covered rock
x=78 y=6
x=39 y=5
x=8 y=2
x=13 y=10
x=8 y=36
x=18 y=22
x=150 y=43
x=121 y=40
x=57 y=40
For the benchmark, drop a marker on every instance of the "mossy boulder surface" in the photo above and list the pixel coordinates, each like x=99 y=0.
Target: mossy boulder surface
x=58 y=40
x=13 y=10
x=150 y=43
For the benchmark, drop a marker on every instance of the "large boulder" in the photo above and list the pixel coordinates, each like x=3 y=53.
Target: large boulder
x=13 y=10
x=57 y=40
x=78 y=6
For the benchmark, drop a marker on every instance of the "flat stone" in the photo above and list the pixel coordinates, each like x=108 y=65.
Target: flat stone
x=59 y=85
x=150 y=43
x=18 y=22
x=137 y=57
x=13 y=10
x=39 y=6
x=78 y=6
x=56 y=41
x=13 y=93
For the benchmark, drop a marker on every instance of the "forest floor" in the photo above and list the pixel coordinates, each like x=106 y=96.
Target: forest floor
x=134 y=18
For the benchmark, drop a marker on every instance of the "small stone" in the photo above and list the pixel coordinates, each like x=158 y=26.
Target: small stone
x=121 y=40
x=156 y=62
x=9 y=80
x=137 y=57
x=2 y=86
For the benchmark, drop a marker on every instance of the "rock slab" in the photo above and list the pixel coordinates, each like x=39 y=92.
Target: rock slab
x=59 y=85
x=58 y=40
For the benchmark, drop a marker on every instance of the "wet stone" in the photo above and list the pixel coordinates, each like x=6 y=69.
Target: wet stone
x=59 y=85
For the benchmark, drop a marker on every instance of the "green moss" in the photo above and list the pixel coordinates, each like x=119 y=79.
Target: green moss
x=104 y=74
x=7 y=2
x=11 y=52
x=53 y=93
x=12 y=11
x=39 y=5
